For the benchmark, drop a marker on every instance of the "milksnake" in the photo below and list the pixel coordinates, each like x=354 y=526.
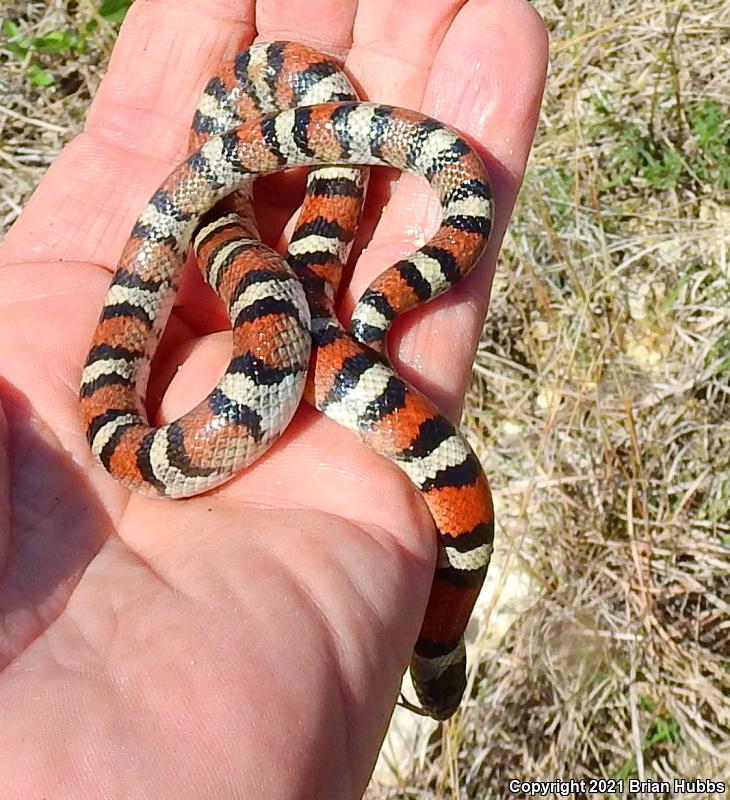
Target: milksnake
x=275 y=106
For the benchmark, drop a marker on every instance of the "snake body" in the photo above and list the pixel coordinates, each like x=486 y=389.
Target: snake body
x=275 y=106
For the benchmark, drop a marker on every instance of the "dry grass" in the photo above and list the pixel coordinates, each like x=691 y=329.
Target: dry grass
x=36 y=120
x=601 y=399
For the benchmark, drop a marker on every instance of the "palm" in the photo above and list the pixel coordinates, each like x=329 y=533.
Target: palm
x=253 y=637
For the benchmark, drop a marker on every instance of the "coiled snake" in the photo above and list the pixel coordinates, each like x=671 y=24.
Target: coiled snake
x=275 y=106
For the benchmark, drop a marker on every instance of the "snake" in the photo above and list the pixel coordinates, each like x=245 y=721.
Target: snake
x=275 y=106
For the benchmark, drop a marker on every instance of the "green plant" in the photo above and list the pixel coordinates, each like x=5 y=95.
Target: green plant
x=114 y=10
x=663 y=731
x=699 y=154
x=710 y=123
x=69 y=42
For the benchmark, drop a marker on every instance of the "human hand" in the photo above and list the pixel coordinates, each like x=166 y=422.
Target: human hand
x=248 y=643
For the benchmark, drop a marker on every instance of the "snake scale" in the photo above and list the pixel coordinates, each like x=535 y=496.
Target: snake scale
x=275 y=106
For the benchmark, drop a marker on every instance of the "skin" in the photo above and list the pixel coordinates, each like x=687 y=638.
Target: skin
x=247 y=643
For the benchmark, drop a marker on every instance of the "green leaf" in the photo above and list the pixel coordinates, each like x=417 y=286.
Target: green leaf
x=39 y=76
x=114 y=10
x=16 y=43
x=54 y=42
x=646 y=703
x=16 y=49
x=10 y=29
x=80 y=44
